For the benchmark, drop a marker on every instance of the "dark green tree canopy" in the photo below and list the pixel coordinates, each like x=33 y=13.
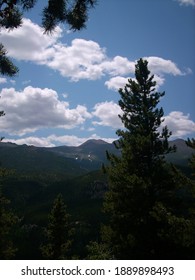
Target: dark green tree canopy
x=148 y=217
x=142 y=139
x=58 y=232
x=191 y=143
x=8 y=221
x=71 y=12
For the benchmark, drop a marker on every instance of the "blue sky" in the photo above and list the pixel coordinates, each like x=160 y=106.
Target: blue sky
x=67 y=89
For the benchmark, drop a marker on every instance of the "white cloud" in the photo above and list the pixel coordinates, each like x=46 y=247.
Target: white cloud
x=116 y=82
x=29 y=42
x=3 y=80
x=179 y=124
x=118 y=66
x=187 y=2
x=35 y=141
x=159 y=81
x=82 y=59
x=54 y=140
x=160 y=66
x=108 y=113
x=35 y=108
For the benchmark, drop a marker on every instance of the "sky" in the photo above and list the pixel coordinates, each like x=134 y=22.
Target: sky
x=66 y=91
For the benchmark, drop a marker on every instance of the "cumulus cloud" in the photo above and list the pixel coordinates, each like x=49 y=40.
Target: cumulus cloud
x=107 y=112
x=118 y=66
x=159 y=66
x=35 y=108
x=179 y=124
x=29 y=42
x=116 y=82
x=82 y=59
x=187 y=2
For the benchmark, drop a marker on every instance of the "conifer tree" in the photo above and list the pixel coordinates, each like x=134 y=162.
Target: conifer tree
x=148 y=218
x=1 y=115
x=8 y=220
x=58 y=232
x=7 y=67
x=191 y=144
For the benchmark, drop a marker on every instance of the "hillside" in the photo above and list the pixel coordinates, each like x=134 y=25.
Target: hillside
x=64 y=160
x=78 y=178
x=70 y=160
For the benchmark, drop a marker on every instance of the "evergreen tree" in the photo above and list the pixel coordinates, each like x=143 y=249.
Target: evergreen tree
x=98 y=251
x=6 y=65
x=74 y=13
x=58 y=232
x=71 y=12
x=148 y=218
x=8 y=220
x=191 y=144
x=1 y=114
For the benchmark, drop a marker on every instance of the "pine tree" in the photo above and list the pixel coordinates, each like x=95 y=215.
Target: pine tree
x=58 y=232
x=8 y=220
x=191 y=144
x=147 y=215
x=1 y=115
x=6 y=65
x=71 y=12
x=74 y=13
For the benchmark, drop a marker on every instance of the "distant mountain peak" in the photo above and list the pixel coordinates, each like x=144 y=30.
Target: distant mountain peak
x=93 y=141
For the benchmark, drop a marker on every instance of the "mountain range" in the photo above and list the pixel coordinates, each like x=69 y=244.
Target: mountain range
x=71 y=160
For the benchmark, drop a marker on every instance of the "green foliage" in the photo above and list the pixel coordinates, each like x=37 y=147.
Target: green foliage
x=58 y=232
x=144 y=202
x=6 y=65
x=98 y=251
x=8 y=220
x=191 y=143
x=74 y=13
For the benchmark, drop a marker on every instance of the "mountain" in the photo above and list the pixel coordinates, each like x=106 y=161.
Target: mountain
x=66 y=160
x=92 y=150
x=70 y=160
x=183 y=153
x=77 y=178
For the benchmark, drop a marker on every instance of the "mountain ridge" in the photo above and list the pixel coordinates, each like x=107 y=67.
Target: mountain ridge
x=73 y=160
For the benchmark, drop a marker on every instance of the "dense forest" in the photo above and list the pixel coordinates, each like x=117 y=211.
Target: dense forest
x=130 y=200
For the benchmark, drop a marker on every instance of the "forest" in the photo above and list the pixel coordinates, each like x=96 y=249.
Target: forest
x=136 y=204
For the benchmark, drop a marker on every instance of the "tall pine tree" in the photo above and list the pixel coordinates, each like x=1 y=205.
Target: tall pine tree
x=58 y=232
x=148 y=217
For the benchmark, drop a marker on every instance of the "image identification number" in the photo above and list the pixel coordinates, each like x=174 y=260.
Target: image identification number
x=144 y=270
